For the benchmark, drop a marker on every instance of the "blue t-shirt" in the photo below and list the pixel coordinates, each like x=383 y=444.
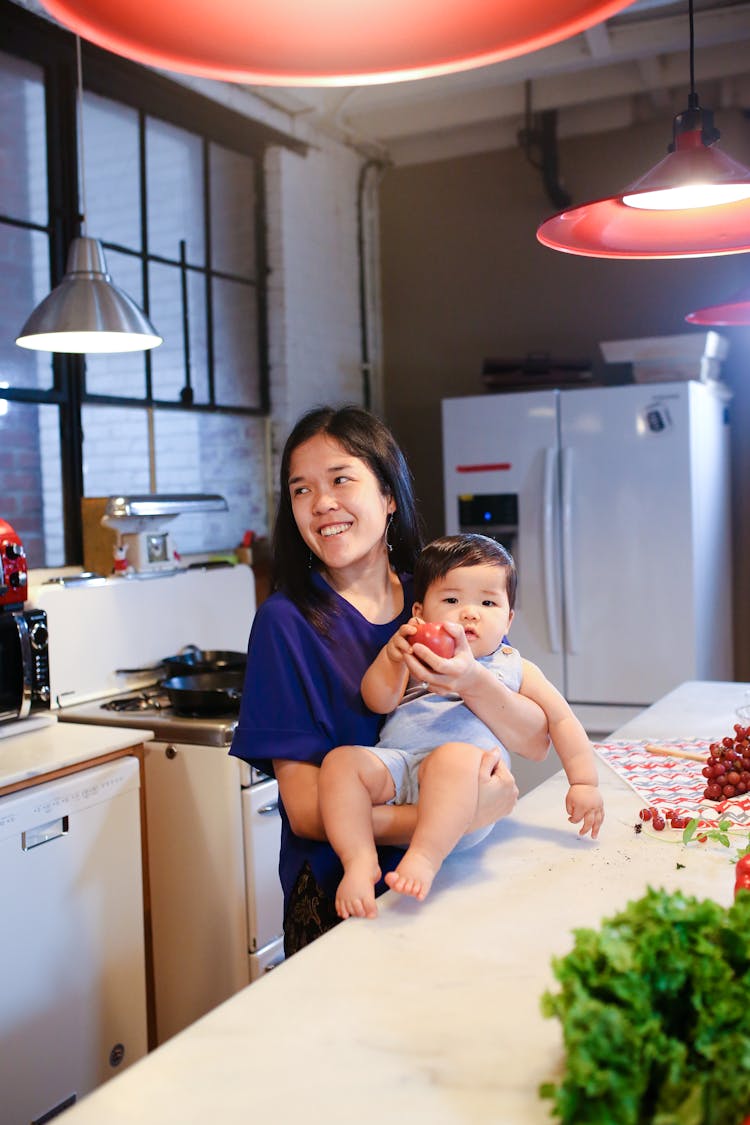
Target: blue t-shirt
x=301 y=698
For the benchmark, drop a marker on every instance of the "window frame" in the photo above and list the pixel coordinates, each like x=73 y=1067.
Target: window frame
x=45 y=44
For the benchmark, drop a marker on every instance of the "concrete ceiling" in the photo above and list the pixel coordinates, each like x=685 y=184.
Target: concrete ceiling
x=621 y=70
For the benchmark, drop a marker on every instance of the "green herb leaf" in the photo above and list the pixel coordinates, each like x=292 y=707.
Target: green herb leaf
x=690 y=829
x=655 y=1017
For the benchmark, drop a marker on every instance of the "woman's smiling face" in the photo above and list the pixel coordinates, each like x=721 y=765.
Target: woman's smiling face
x=338 y=505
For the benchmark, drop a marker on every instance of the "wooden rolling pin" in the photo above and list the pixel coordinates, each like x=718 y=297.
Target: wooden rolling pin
x=674 y=752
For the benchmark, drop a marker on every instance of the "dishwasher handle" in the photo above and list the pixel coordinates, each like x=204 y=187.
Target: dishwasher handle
x=44 y=833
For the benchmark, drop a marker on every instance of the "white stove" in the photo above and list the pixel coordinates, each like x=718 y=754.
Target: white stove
x=213 y=823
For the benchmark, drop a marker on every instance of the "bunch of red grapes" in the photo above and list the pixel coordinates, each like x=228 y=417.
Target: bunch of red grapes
x=727 y=770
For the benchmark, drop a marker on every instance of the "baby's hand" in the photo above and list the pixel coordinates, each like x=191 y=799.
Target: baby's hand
x=400 y=643
x=444 y=674
x=584 y=802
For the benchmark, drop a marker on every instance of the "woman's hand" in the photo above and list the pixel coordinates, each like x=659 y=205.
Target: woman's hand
x=498 y=791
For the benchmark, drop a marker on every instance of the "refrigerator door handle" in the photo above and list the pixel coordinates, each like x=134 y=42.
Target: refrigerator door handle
x=548 y=548
x=571 y=633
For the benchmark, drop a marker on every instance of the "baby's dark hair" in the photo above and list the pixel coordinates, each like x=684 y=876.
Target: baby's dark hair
x=469 y=549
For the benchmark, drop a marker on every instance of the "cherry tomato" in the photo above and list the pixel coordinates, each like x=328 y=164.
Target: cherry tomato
x=743 y=865
x=435 y=637
x=741 y=883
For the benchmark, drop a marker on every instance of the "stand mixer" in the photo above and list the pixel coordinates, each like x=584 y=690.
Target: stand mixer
x=142 y=542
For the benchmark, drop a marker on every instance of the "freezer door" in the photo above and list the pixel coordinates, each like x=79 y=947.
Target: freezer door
x=627 y=535
x=500 y=466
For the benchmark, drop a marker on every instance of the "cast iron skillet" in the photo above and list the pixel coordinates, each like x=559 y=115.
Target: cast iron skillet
x=194 y=661
x=204 y=660
x=211 y=693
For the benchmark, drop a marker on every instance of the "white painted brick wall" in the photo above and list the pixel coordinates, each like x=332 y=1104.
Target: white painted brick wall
x=313 y=294
x=313 y=285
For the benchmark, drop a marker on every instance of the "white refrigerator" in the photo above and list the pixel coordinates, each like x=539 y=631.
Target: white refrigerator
x=614 y=502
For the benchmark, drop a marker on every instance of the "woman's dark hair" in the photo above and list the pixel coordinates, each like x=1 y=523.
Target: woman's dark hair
x=469 y=549
x=362 y=435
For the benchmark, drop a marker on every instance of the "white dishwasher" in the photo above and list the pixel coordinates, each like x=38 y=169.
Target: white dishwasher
x=72 y=953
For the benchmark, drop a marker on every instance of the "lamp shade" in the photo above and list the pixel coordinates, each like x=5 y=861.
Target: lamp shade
x=87 y=312
x=733 y=313
x=693 y=203
x=326 y=42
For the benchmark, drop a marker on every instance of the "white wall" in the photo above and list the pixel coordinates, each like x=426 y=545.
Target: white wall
x=313 y=285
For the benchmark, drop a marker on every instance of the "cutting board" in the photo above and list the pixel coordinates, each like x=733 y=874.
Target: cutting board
x=673 y=783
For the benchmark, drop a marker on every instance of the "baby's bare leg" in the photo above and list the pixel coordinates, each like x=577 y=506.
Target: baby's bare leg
x=448 y=793
x=352 y=780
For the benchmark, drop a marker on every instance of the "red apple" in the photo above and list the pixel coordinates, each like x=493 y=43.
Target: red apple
x=435 y=637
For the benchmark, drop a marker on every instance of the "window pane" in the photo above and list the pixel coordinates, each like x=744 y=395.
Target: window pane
x=174 y=189
x=232 y=212
x=115 y=450
x=168 y=360
x=236 y=364
x=30 y=483
x=214 y=453
x=112 y=172
x=23 y=169
x=21 y=290
x=123 y=375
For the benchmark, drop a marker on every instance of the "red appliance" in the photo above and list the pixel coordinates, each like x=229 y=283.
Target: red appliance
x=13 y=568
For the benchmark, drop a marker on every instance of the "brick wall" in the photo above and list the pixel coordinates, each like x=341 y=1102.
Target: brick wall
x=313 y=284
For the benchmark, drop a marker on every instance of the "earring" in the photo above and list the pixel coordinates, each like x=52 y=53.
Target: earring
x=387 y=529
x=309 y=560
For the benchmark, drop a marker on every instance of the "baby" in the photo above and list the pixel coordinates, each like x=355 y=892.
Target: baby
x=432 y=743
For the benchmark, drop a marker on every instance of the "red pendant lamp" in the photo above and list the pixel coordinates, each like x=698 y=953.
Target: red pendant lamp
x=326 y=42
x=694 y=203
x=732 y=313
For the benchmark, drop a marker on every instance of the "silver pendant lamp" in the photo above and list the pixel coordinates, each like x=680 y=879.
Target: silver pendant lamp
x=87 y=312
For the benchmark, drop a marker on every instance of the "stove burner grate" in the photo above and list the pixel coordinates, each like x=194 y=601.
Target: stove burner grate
x=151 y=699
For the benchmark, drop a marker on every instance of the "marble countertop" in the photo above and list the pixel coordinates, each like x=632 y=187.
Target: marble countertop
x=430 y=1014
x=39 y=750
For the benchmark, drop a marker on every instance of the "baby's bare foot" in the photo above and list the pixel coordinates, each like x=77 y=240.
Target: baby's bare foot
x=355 y=895
x=414 y=875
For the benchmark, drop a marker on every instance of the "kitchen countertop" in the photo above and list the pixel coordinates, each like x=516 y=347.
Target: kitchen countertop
x=56 y=747
x=430 y=1014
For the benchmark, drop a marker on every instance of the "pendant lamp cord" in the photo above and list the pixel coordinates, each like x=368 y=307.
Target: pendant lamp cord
x=693 y=98
x=79 y=127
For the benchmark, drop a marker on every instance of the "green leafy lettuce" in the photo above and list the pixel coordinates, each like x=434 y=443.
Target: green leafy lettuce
x=655 y=1013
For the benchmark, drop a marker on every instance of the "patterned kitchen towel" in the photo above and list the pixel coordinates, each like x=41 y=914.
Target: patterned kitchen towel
x=673 y=784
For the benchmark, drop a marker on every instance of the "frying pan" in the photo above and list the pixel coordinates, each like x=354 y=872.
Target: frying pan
x=197 y=660
x=194 y=661
x=210 y=693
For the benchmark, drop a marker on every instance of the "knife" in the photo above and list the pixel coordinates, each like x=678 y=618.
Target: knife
x=674 y=752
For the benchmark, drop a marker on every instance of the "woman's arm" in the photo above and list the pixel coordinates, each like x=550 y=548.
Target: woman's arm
x=392 y=824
